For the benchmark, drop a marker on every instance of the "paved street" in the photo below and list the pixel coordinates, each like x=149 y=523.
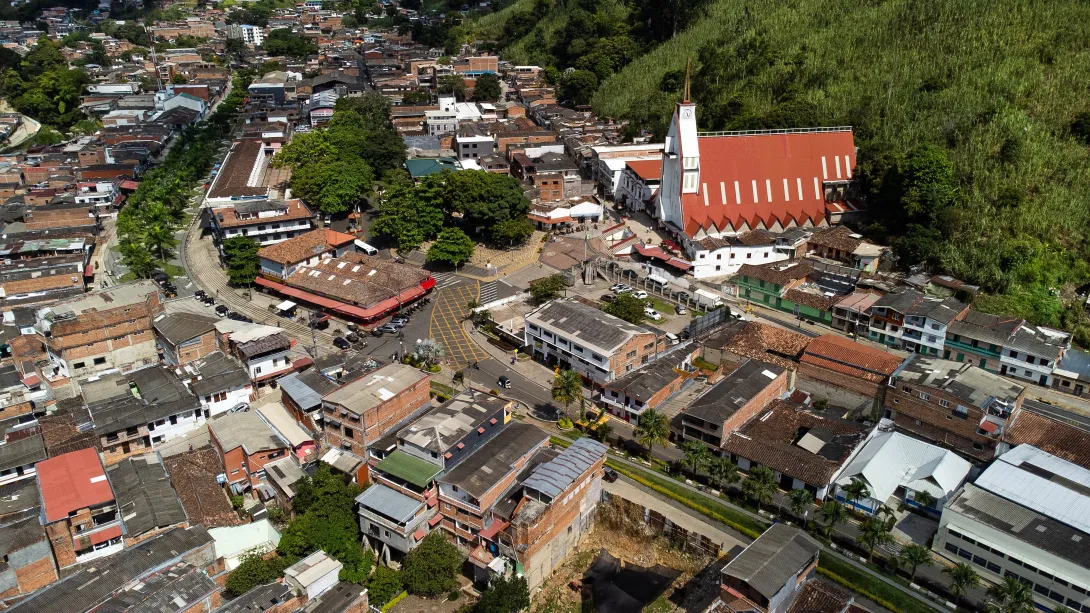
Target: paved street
x=446 y=322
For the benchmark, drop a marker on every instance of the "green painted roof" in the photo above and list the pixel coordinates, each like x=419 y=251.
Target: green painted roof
x=422 y=167
x=408 y=468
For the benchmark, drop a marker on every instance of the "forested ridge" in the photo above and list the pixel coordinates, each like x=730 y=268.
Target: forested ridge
x=971 y=116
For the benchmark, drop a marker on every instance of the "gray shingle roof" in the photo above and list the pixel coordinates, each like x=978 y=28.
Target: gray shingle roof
x=179 y=327
x=22 y=452
x=773 y=559
x=218 y=373
x=145 y=498
x=258 y=600
x=174 y=589
x=733 y=391
x=585 y=325
x=487 y=466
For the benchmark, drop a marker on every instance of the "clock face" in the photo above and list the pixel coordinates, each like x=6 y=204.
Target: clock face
x=687 y=113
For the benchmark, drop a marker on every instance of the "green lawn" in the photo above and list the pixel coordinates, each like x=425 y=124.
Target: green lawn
x=870 y=587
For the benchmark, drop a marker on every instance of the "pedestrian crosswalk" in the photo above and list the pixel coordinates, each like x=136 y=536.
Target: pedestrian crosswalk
x=488 y=292
x=445 y=279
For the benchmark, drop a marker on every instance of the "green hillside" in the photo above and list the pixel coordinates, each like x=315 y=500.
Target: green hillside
x=972 y=118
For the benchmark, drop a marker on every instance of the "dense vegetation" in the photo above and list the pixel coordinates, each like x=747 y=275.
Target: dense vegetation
x=333 y=168
x=283 y=41
x=970 y=116
x=41 y=85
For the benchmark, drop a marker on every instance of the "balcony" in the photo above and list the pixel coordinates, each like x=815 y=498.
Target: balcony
x=966 y=345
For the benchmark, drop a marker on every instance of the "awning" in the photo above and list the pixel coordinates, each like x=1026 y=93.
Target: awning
x=104 y=535
x=419 y=534
x=89 y=270
x=491 y=531
x=434 y=521
x=989 y=427
x=368 y=314
x=287 y=305
x=130 y=184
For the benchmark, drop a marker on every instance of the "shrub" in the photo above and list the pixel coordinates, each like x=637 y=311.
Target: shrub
x=384 y=585
x=432 y=568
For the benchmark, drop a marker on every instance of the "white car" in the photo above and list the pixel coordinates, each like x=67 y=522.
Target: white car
x=652 y=314
x=623 y=289
x=641 y=295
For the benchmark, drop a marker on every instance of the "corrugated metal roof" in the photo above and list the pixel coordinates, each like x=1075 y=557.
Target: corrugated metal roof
x=389 y=502
x=892 y=459
x=1042 y=482
x=553 y=477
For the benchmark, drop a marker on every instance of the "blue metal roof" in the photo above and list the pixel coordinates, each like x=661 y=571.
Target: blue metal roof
x=554 y=476
x=389 y=502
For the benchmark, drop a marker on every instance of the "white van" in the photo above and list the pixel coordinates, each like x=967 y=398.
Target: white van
x=365 y=248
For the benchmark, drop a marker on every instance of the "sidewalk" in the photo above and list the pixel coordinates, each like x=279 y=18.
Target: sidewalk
x=539 y=374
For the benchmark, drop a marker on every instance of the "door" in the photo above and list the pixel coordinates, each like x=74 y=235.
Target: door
x=1043 y=380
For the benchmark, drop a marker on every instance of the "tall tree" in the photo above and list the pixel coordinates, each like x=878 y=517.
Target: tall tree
x=432 y=567
x=1010 y=596
x=567 y=388
x=410 y=214
x=760 y=485
x=800 y=501
x=963 y=578
x=913 y=556
x=504 y=596
x=452 y=247
x=832 y=513
x=627 y=307
x=856 y=490
x=874 y=533
x=487 y=88
x=697 y=455
x=652 y=428
x=240 y=256
x=723 y=471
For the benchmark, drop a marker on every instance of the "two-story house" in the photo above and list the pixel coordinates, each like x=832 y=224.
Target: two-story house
x=362 y=411
x=773 y=574
x=245 y=444
x=842 y=244
x=926 y=322
x=785 y=286
x=79 y=512
x=723 y=256
x=1007 y=345
x=953 y=404
x=579 y=337
x=266 y=221
x=731 y=402
x=219 y=382
x=265 y=358
x=280 y=260
x=185 y=337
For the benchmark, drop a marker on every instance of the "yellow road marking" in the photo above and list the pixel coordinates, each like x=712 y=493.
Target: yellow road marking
x=446 y=323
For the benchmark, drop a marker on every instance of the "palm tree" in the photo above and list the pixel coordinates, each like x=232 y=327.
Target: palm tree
x=874 y=533
x=924 y=499
x=697 y=455
x=723 y=471
x=567 y=388
x=832 y=513
x=800 y=501
x=160 y=237
x=1010 y=596
x=652 y=429
x=856 y=490
x=760 y=485
x=602 y=431
x=913 y=556
x=962 y=578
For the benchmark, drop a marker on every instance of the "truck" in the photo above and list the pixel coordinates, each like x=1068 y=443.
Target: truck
x=706 y=299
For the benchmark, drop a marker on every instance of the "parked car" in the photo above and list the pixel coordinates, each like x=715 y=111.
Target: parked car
x=608 y=298
x=399 y=319
x=222 y=310
x=199 y=294
x=610 y=476
x=385 y=329
x=397 y=323
x=616 y=286
x=340 y=343
x=680 y=310
x=652 y=314
x=622 y=289
x=641 y=295
x=352 y=337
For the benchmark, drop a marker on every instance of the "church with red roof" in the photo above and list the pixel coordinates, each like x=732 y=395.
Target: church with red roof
x=727 y=183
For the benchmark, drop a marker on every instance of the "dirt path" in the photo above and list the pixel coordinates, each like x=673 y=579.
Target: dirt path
x=26 y=130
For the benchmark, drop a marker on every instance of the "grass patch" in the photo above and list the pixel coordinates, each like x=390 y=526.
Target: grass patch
x=129 y=276
x=661 y=305
x=869 y=586
x=173 y=270
x=439 y=388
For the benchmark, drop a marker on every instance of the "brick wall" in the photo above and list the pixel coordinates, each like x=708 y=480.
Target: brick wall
x=114 y=452
x=869 y=389
x=198 y=350
x=36 y=575
x=621 y=363
x=550 y=188
x=776 y=388
x=376 y=422
x=660 y=396
x=60 y=539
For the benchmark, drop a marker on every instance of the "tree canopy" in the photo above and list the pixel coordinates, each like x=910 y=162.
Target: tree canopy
x=452 y=247
x=240 y=257
x=626 y=307
x=326 y=519
x=432 y=567
x=283 y=41
x=41 y=85
x=547 y=288
x=487 y=88
x=504 y=596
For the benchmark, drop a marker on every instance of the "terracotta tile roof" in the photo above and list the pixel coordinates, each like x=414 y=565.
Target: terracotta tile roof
x=646 y=169
x=779 y=273
x=71 y=482
x=296 y=210
x=814 y=300
x=768 y=343
x=762 y=166
x=305 y=246
x=820 y=597
x=41 y=284
x=838 y=237
x=60 y=218
x=1055 y=437
x=772 y=439
x=193 y=475
x=848 y=357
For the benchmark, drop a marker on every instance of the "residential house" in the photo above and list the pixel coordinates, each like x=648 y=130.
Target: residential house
x=598 y=346
x=1007 y=345
x=847 y=364
x=279 y=261
x=266 y=357
x=79 y=512
x=771 y=574
x=914 y=322
x=1044 y=547
x=1038 y=424
x=28 y=560
x=953 y=404
x=805 y=449
x=101 y=330
x=245 y=444
x=266 y=221
x=220 y=384
x=134 y=413
x=784 y=286
x=314 y=575
x=303 y=446
x=842 y=244
x=185 y=337
x=362 y=411
x=301 y=393
x=145 y=498
x=739 y=340
x=647 y=388
x=734 y=400
x=895 y=467
x=852 y=313
x=725 y=255
x=640 y=184
x=20 y=451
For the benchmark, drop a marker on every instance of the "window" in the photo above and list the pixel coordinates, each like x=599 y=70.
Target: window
x=992 y=566
x=951 y=548
x=98 y=361
x=1040 y=589
x=348 y=433
x=1013 y=353
x=78 y=365
x=925 y=396
x=257 y=370
x=944 y=403
x=906 y=389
